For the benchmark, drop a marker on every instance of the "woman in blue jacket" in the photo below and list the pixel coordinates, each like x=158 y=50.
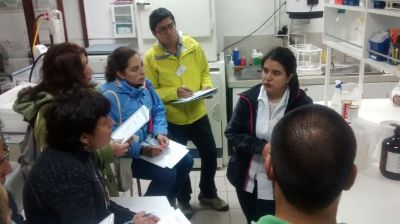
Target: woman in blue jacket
x=125 y=77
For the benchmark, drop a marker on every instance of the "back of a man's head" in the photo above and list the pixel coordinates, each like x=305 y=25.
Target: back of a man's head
x=312 y=155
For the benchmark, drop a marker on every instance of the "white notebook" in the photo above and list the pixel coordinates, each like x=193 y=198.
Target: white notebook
x=124 y=132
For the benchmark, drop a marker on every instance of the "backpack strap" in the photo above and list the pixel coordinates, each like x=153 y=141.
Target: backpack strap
x=118 y=104
x=150 y=128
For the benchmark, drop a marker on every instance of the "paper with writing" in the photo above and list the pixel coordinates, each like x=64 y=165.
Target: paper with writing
x=177 y=217
x=169 y=157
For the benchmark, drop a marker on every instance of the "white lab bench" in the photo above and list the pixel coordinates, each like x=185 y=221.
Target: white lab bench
x=373 y=197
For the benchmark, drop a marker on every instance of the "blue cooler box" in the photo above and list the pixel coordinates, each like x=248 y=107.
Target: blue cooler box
x=379 y=42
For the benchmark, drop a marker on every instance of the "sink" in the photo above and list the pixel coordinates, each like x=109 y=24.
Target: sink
x=351 y=70
x=249 y=73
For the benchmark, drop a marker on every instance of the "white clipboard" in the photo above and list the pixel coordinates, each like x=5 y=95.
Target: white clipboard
x=197 y=95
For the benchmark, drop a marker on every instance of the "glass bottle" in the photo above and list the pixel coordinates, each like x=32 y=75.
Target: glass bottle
x=390 y=156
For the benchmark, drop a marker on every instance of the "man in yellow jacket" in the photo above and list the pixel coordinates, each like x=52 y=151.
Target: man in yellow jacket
x=177 y=67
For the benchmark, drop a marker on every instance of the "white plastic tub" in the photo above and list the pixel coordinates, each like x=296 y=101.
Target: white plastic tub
x=12 y=121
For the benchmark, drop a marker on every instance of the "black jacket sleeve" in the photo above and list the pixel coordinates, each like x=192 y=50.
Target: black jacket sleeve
x=239 y=130
x=122 y=215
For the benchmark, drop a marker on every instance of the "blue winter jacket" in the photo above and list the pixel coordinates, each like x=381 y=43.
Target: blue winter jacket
x=131 y=100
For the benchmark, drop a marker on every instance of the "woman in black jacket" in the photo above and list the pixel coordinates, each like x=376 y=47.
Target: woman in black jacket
x=65 y=185
x=251 y=125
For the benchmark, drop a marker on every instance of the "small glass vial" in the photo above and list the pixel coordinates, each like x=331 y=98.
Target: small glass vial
x=390 y=156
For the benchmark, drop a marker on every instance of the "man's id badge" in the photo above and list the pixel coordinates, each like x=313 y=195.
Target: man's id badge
x=180 y=70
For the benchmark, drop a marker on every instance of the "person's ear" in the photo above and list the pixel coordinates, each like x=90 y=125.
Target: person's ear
x=120 y=75
x=84 y=139
x=351 y=178
x=268 y=166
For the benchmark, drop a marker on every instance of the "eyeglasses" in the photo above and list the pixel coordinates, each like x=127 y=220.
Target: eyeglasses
x=165 y=29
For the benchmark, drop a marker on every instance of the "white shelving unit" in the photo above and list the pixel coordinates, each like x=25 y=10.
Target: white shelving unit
x=123 y=20
x=340 y=35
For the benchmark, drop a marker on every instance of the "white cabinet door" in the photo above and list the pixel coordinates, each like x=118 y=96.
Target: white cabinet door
x=98 y=19
x=193 y=17
x=123 y=20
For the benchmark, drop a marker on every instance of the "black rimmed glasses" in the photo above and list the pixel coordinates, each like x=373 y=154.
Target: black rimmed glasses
x=165 y=29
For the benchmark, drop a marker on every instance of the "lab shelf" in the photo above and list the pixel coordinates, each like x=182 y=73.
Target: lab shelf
x=367 y=20
x=345 y=48
x=385 y=12
x=394 y=69
x=346 y=7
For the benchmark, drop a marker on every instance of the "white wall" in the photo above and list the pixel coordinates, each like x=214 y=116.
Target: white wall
x=240 y=18
x=233 y=18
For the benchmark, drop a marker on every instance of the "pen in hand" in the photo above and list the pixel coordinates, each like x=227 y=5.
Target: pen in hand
x=184 y=92
x=142 y=217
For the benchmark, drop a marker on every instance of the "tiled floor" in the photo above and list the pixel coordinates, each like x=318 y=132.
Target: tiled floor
x=203 y=214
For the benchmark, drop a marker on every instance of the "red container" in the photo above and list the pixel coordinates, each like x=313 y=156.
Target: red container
x=339 y=2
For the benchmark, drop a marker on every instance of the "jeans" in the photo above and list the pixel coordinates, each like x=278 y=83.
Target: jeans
x=199 y=132
x=164 y=181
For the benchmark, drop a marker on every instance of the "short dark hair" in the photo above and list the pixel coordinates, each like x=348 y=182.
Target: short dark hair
x=72 y=113
x=62 y=68
x=157 y=16
x=118 y=61
x=312 y=155
x=287 y=59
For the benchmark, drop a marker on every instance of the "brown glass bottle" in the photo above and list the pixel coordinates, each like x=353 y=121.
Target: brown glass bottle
x=390 y=156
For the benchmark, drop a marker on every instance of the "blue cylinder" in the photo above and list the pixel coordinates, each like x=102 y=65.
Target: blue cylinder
x=236 y=57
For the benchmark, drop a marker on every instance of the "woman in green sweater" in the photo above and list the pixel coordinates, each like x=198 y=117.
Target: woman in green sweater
x=64 y=65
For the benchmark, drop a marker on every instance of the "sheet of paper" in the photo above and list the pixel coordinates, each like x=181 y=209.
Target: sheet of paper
x=157 y=205
x=108 y=220
x=170 y=156
x=197 y=95
x=131 y=125
x=177 y=217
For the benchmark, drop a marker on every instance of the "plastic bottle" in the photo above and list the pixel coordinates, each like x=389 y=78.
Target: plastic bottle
x=236 y=56
x=356 y=96
x=254 y=56
x=356 y=31
x=336 y=103
x=243 y=61
x=390 y=156
x=229 y=68
x=395 y=95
